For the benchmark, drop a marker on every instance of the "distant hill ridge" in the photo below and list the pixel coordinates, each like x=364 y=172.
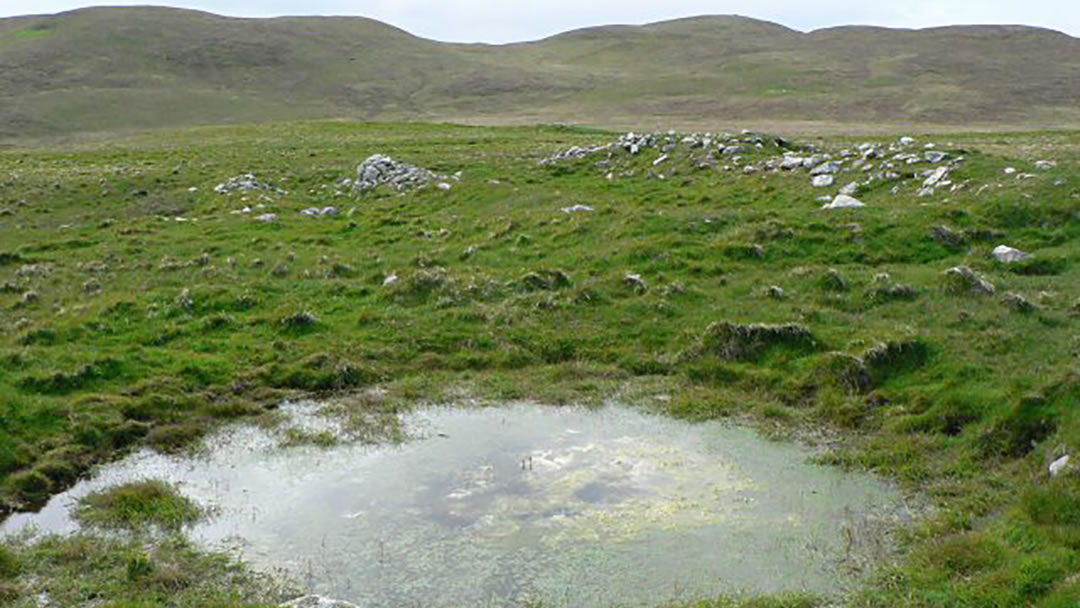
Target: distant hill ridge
x=118 y=68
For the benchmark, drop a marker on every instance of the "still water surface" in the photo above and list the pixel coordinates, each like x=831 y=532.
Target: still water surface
x=501 y=506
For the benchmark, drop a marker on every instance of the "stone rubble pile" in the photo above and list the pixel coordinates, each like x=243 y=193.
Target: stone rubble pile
x=380 y=169
x=246 y=183
x=871 y=162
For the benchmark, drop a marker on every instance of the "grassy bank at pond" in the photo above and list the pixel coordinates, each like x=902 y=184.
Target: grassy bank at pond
x=140 y=307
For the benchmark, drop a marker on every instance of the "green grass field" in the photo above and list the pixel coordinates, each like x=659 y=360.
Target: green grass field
x=140 y=307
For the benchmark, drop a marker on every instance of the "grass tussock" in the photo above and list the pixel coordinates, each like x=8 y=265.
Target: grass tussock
x=138 y=505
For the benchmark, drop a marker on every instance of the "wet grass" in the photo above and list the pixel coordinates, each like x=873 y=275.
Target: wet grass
x=500 y=294
x=137 y=506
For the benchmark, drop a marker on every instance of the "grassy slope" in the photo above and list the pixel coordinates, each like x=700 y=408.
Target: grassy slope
x=971 y=420
x=108 y=69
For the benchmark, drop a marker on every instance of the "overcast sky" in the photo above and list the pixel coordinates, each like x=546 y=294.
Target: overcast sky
x=514 y=20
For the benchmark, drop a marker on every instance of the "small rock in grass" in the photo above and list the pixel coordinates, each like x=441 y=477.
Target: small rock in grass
x=843 y=201
x=267 y=218
x=775 y=292
x=1008 y=255
x=576 y=208
x=1045 y=165
x=636 y=282
x=823 y=181
x=963 y=279
x=1059 y=466
x=390 y=279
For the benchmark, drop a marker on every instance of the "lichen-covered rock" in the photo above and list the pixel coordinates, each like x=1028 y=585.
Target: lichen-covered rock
x=962 y=279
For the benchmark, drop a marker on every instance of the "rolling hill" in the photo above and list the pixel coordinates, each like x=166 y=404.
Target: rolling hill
x=107 y=69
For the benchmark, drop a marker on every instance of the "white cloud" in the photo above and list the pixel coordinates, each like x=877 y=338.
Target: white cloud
x=511 y=20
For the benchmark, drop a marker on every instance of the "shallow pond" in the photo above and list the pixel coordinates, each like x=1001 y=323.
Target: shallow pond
x=503 y=506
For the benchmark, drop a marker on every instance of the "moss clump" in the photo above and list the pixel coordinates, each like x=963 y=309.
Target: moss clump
x=30 y=487
x=138 y=505
x=736 y=342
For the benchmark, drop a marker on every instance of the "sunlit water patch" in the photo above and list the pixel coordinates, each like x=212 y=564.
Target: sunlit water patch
x=508 y=505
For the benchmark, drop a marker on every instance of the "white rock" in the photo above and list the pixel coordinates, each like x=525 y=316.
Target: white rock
x=576 y=208
x=663 y=159
x=843 y=201
x=1010 y=170
x=791 y=163
x=1045 y=165
x=444 y=186
x=1008 y=255
x=823 y=181
x=268 y=218
x=907 y=141
x=936 y=177
x=850 y=189
x=826 y=168
x=390 y=279
x=1058 y=466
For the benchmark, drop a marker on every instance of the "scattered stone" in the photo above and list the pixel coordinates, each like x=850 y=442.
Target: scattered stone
x=791 y=163
x=280 y=271
x=30 y=297
x=823 y=181
x=92 y=286
x=379 y=169
x=1045 y=165
x=850 y=189
x=775 y=292
x=27 y=271
x=184 y=300
x=267 y=218
x=829 y=168
x=936 y=178
x=318 y=212
x=574 y=153
x=843 y=201
x=576 y=208
x=9 y=287
x=444 y=186
x=1008 y=255
x=961 y=279
x=390 y=279
x=936 y=157
x=1017 y=303
x=1059 y=466
x=663 y=159
x=1010 y=170
x=636 y=282
x=246 y=183
x=907 y=141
